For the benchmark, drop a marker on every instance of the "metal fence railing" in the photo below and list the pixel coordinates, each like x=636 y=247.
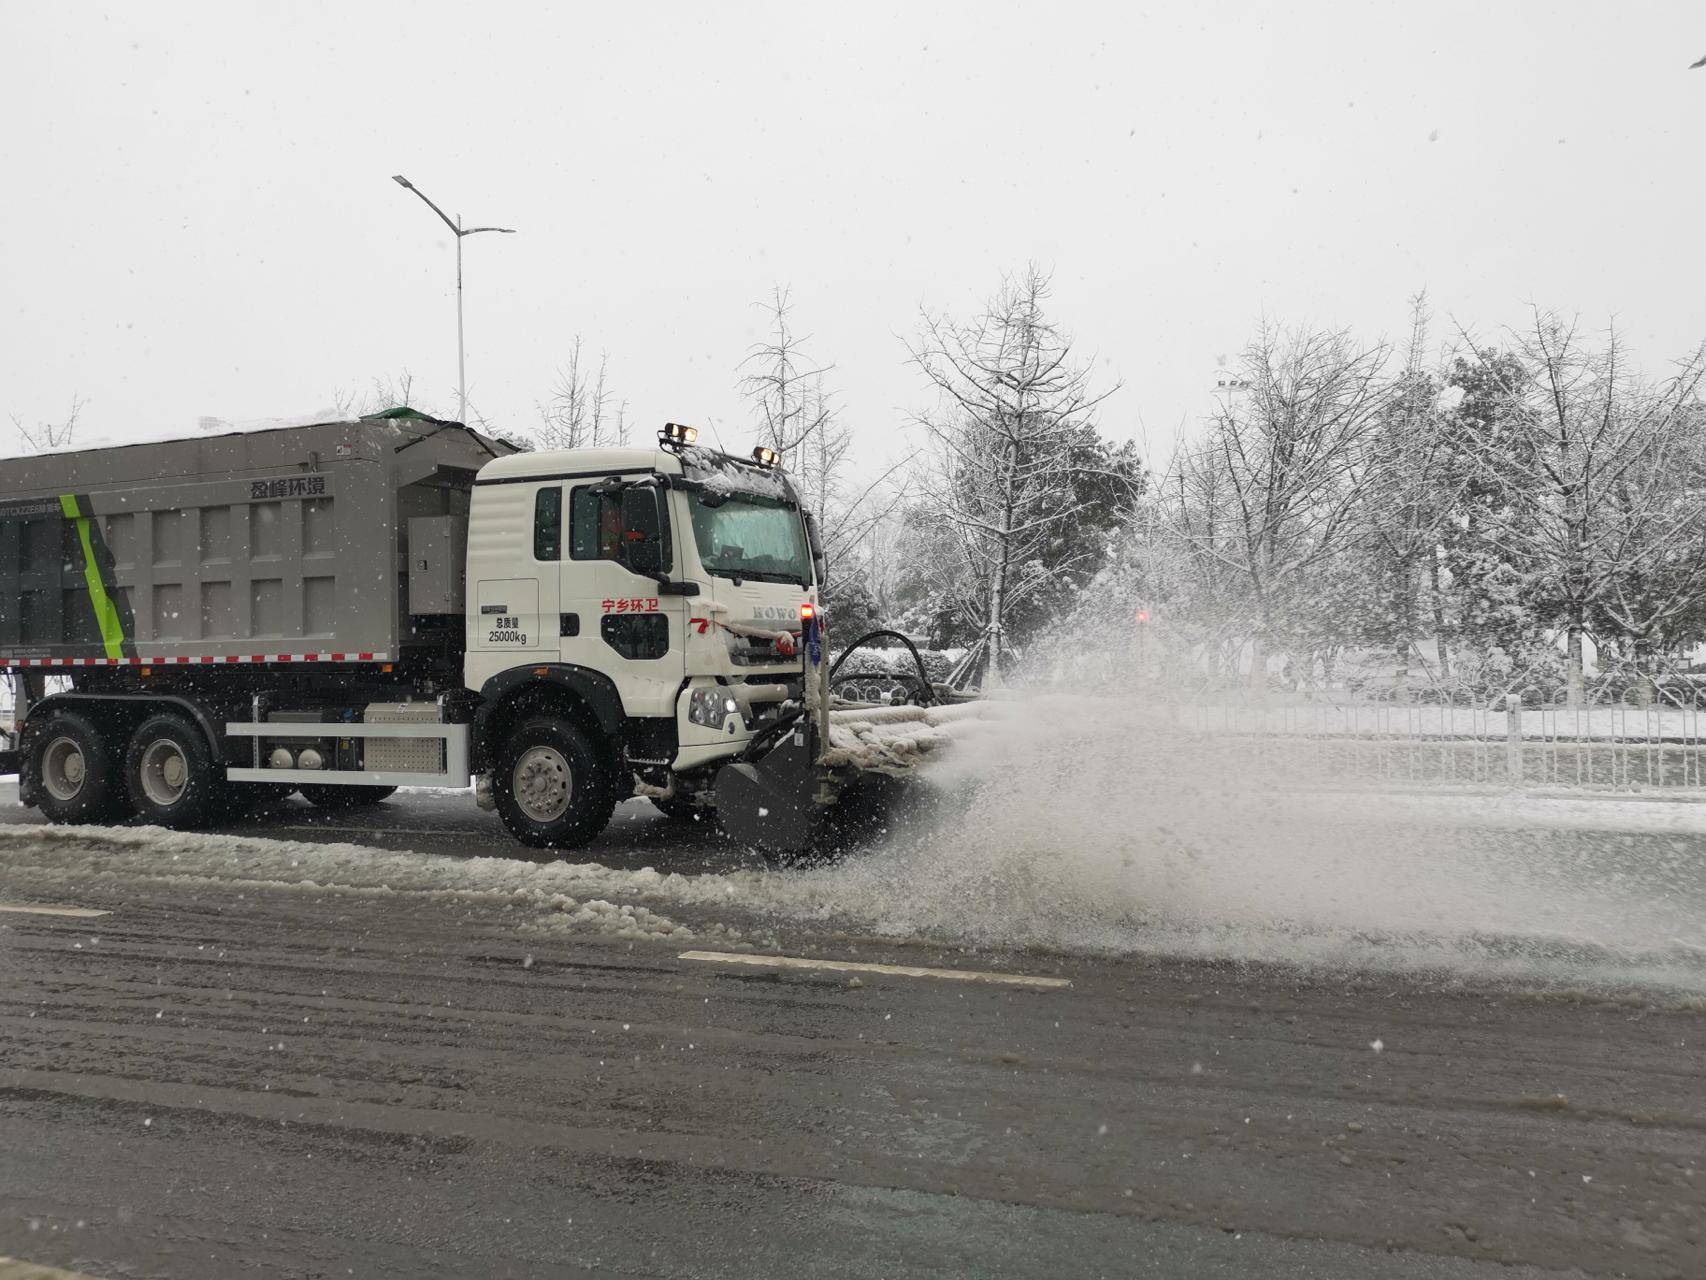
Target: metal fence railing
x=1640 y=735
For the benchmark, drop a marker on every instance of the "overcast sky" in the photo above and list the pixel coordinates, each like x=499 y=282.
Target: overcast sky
x=198 y=216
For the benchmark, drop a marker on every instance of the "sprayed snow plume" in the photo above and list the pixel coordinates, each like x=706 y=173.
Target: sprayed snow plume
x=1094 y=823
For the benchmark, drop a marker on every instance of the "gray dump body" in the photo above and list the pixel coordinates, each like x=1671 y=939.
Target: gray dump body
x=288 y=544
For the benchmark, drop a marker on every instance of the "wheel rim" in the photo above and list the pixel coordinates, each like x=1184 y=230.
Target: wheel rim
x=542 y=783
x=63 y=769
x=164 y=772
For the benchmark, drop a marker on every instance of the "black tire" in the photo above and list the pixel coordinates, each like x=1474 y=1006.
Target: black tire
x=77 y=773
x=679 y=810
x=567 y=796
x=323 y=795
x=171 y=775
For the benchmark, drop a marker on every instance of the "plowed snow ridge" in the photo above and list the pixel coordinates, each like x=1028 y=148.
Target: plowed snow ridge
x=1089 y=825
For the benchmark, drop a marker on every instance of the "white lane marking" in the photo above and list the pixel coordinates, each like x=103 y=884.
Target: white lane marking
x=311 y=828
x=17 y=1269
x=857 y=966
x=76 y=913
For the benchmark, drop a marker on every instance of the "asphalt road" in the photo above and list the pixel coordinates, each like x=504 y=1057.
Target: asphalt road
x=238 y=1078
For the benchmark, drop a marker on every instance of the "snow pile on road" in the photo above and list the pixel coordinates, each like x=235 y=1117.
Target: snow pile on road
x=896 y=739
x=573 y=898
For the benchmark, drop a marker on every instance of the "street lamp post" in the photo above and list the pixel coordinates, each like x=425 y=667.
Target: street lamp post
x=458 y=231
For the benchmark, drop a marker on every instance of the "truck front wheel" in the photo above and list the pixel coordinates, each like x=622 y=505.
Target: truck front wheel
x=172 y=775
x=551 y=786
x=77 y=779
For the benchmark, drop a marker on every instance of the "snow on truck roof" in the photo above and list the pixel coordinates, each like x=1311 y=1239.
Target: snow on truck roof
x=218 y=429
x=560 y=462
x=716 y=471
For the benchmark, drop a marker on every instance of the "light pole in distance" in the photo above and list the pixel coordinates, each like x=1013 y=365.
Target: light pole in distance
x=459 y=231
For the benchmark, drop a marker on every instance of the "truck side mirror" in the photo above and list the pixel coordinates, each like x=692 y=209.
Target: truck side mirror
x=642 y=531
x=814 y=539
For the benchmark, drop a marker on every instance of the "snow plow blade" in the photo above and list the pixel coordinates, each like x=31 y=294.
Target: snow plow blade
x=802 y=801
x=767 y=803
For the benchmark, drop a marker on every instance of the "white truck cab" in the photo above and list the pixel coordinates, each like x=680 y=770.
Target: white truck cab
x=654 y=594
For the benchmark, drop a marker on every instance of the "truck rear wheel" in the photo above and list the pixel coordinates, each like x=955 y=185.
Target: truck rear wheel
x=171 y=774
x=330 y=796
x=551 y=786
x=78 y=780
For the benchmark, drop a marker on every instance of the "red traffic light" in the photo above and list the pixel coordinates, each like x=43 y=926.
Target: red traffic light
x=1142 y=616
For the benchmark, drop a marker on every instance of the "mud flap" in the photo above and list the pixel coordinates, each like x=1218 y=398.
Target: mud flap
x=767 y=803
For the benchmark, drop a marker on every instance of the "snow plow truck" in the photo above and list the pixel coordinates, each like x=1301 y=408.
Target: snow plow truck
x=195 y=627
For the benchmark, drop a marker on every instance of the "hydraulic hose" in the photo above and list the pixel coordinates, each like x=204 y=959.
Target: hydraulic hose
x=927 y=691
x=762 y=740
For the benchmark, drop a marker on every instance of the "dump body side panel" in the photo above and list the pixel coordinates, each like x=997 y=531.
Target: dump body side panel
x=288 y=544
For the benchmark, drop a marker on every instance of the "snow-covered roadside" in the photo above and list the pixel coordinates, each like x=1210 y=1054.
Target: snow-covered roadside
x=561 y=897
x=1652 y=813
x=1088 y=825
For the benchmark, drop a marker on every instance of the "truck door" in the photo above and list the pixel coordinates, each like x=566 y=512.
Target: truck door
x=613 y=619
x=516 y=595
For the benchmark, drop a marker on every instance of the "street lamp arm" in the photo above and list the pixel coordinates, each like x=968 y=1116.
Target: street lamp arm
x=459 y=231
x=404 y=182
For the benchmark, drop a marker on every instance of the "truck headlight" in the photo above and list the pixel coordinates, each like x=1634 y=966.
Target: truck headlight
x=710 y=707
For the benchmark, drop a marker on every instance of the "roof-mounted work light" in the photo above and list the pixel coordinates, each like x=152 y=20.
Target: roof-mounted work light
x=765 y=457
x=678 y=433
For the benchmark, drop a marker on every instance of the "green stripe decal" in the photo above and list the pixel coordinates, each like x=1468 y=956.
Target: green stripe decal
x=106 y=612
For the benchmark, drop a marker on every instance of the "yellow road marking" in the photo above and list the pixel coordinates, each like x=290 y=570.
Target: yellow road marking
x=856 y=966
x=76 y=913
x=14 y=1269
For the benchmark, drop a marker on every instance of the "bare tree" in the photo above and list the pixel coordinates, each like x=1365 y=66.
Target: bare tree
x=1189 y=561
x=389 y=391
x=1408 y=494
x=49 y=435
x=582 y=413
x=1650 y=604
x=780 y=386
x=1272 y=492
x=1598 y=474
x=1012 y=407
x=796 y=415
x=820 y=461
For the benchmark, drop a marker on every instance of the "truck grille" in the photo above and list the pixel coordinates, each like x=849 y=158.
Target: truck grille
x=747 y=652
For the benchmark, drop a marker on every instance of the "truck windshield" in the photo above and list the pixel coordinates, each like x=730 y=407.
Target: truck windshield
x=746 y=536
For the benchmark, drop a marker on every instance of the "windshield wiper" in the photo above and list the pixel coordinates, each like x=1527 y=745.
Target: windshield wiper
x=761 y=575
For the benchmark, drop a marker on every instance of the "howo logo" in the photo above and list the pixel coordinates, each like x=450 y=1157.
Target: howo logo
x=775 y=613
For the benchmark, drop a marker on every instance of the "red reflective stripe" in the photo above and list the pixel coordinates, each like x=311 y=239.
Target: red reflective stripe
x=195 y=659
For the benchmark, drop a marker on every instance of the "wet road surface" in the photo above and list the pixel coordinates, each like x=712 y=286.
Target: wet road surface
x=231 y=1080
